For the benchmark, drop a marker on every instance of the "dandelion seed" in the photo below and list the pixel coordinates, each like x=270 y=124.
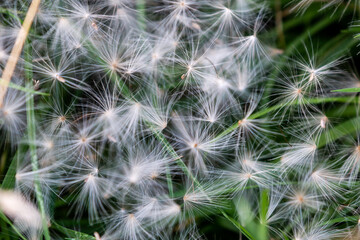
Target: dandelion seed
x=25 y=215
x=351 y=166
x=195 y=143
x=12 y=115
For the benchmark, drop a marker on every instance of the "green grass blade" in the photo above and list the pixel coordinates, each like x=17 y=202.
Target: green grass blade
x=9 y=179
x=31 y=132
x=140 y=7
x=347 y=90
x=239 y=226
x=27 y=90
x=72 y=234
x=264 y=206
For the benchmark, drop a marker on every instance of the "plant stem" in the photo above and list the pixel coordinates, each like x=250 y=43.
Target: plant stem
x=31 y=131
x=17 y=49
x=279 y=24
x=140 y=7
x=24 y=89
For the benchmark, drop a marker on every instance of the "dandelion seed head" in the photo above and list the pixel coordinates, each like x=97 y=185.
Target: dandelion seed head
x=154 y=175
x=312 y=73
x=6 y=112
x=62 y=119
x=173 y=209
x=190 y=68
x=298 y=91
x=49 y=144
x=134 y=176
x=58 y=77
x=194 y=145
x=242 y=122
x=3 y=55
x=131 y=217
x=114 y=65
x=186 y=198
x=221 y=83
x=323 y=122
x=195 y=26
x=94 y=25
x=109 y=113
x=63 y=23
x=89 y=178
x=183 y=4
x=300 y=198
x=155 y=56
x=248 y=175
x=83 y=140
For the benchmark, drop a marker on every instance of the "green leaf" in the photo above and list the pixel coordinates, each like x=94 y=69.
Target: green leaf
x=354 y=219
x=72 y=234
x=9 y=180
x=24 y=89
x=27 y=90
x=239 y=226
x=285 y=237
x=347 y=90
x=264 y=206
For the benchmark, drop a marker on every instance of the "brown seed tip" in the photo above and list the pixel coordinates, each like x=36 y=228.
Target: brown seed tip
x=114 y=65
x=357 y=149
x=241 y=122
x=300 y=198
x=323 y=122
x=154 y=175
x=196 y=26
x=59 y=78
x=95 y=26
